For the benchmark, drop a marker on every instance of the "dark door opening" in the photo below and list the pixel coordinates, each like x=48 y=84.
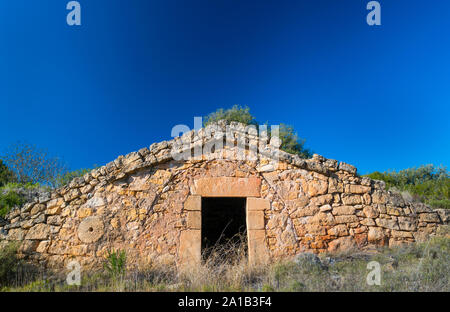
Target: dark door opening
x=223 y=226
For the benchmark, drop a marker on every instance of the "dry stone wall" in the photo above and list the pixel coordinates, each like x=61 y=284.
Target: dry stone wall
x=148 y=204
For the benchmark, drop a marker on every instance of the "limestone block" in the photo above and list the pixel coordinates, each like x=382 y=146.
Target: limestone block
x=258 y=252
x=194 y=220
x=193 y=203
x=370 y=212
x=343 y=210
x=379 y=197
x=39 y=231
x=43 y=246
x=401 y=234
x=258 y=204
x=357 y=189
x=190 y=247
x=28 y=246
x=407 y=224
x=350 y=199
x=346 y=219
x=227 y=187
x=387 y=223
x=338 y=230
x=376 y=235
x=16 y=234
x=315 y=187
x=307 y=211
x=429 y=217
x=341 y=244
x=255 y=220
x=84 y=212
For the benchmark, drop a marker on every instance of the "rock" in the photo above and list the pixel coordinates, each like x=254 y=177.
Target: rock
x=325 y=208
x=343 y=210
x=394 y=211
x=338 y=230
x=95 y=202
x=39 y=232
x=357 y=189
x=444 y=214
x=315 y=187
x=90 y=229
x=401 y=234
x=407 y=223
x=342 y=244
x=346 y=167
x=387 y=223
x=346 y=219
x=28 y=246
x=307 y=258
x=16 y=234
x=349 y=199
x=376 y=235
x=371 y=212
x=379 y=197
x=429 y=217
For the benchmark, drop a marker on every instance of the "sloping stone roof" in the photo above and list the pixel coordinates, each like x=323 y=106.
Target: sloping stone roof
x=161 y=152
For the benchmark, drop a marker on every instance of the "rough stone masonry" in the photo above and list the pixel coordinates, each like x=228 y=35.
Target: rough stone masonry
x=149 y=204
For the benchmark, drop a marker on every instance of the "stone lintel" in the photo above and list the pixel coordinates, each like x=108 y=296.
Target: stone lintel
x=227 y=187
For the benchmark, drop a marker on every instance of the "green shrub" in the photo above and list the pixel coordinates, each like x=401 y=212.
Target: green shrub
x=428 y=183
x=6 y=175
x=115 y=263
x=9 y=263
x=236 y=113
x=8 y=201
x=290 y=142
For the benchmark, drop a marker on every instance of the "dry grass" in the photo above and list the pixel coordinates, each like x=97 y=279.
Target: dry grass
x=417 y=267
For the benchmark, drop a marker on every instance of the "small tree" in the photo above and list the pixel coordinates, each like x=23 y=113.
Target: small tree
x=31 y=164
x=290 y=142
x=6 y=175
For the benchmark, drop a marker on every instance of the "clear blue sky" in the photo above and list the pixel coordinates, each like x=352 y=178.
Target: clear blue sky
x=375 y=97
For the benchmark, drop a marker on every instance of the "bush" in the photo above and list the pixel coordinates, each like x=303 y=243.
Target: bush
x=236 y=113
x=428 y=183
x=115 y=263
x=8 y=201
x=290 y=142
x=9 y=263
x=6 y=175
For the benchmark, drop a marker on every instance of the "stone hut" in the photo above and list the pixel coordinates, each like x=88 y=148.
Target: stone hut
x=160 y=208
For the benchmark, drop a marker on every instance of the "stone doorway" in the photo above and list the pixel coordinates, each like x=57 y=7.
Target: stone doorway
x=247 y=190
x=223 y=224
